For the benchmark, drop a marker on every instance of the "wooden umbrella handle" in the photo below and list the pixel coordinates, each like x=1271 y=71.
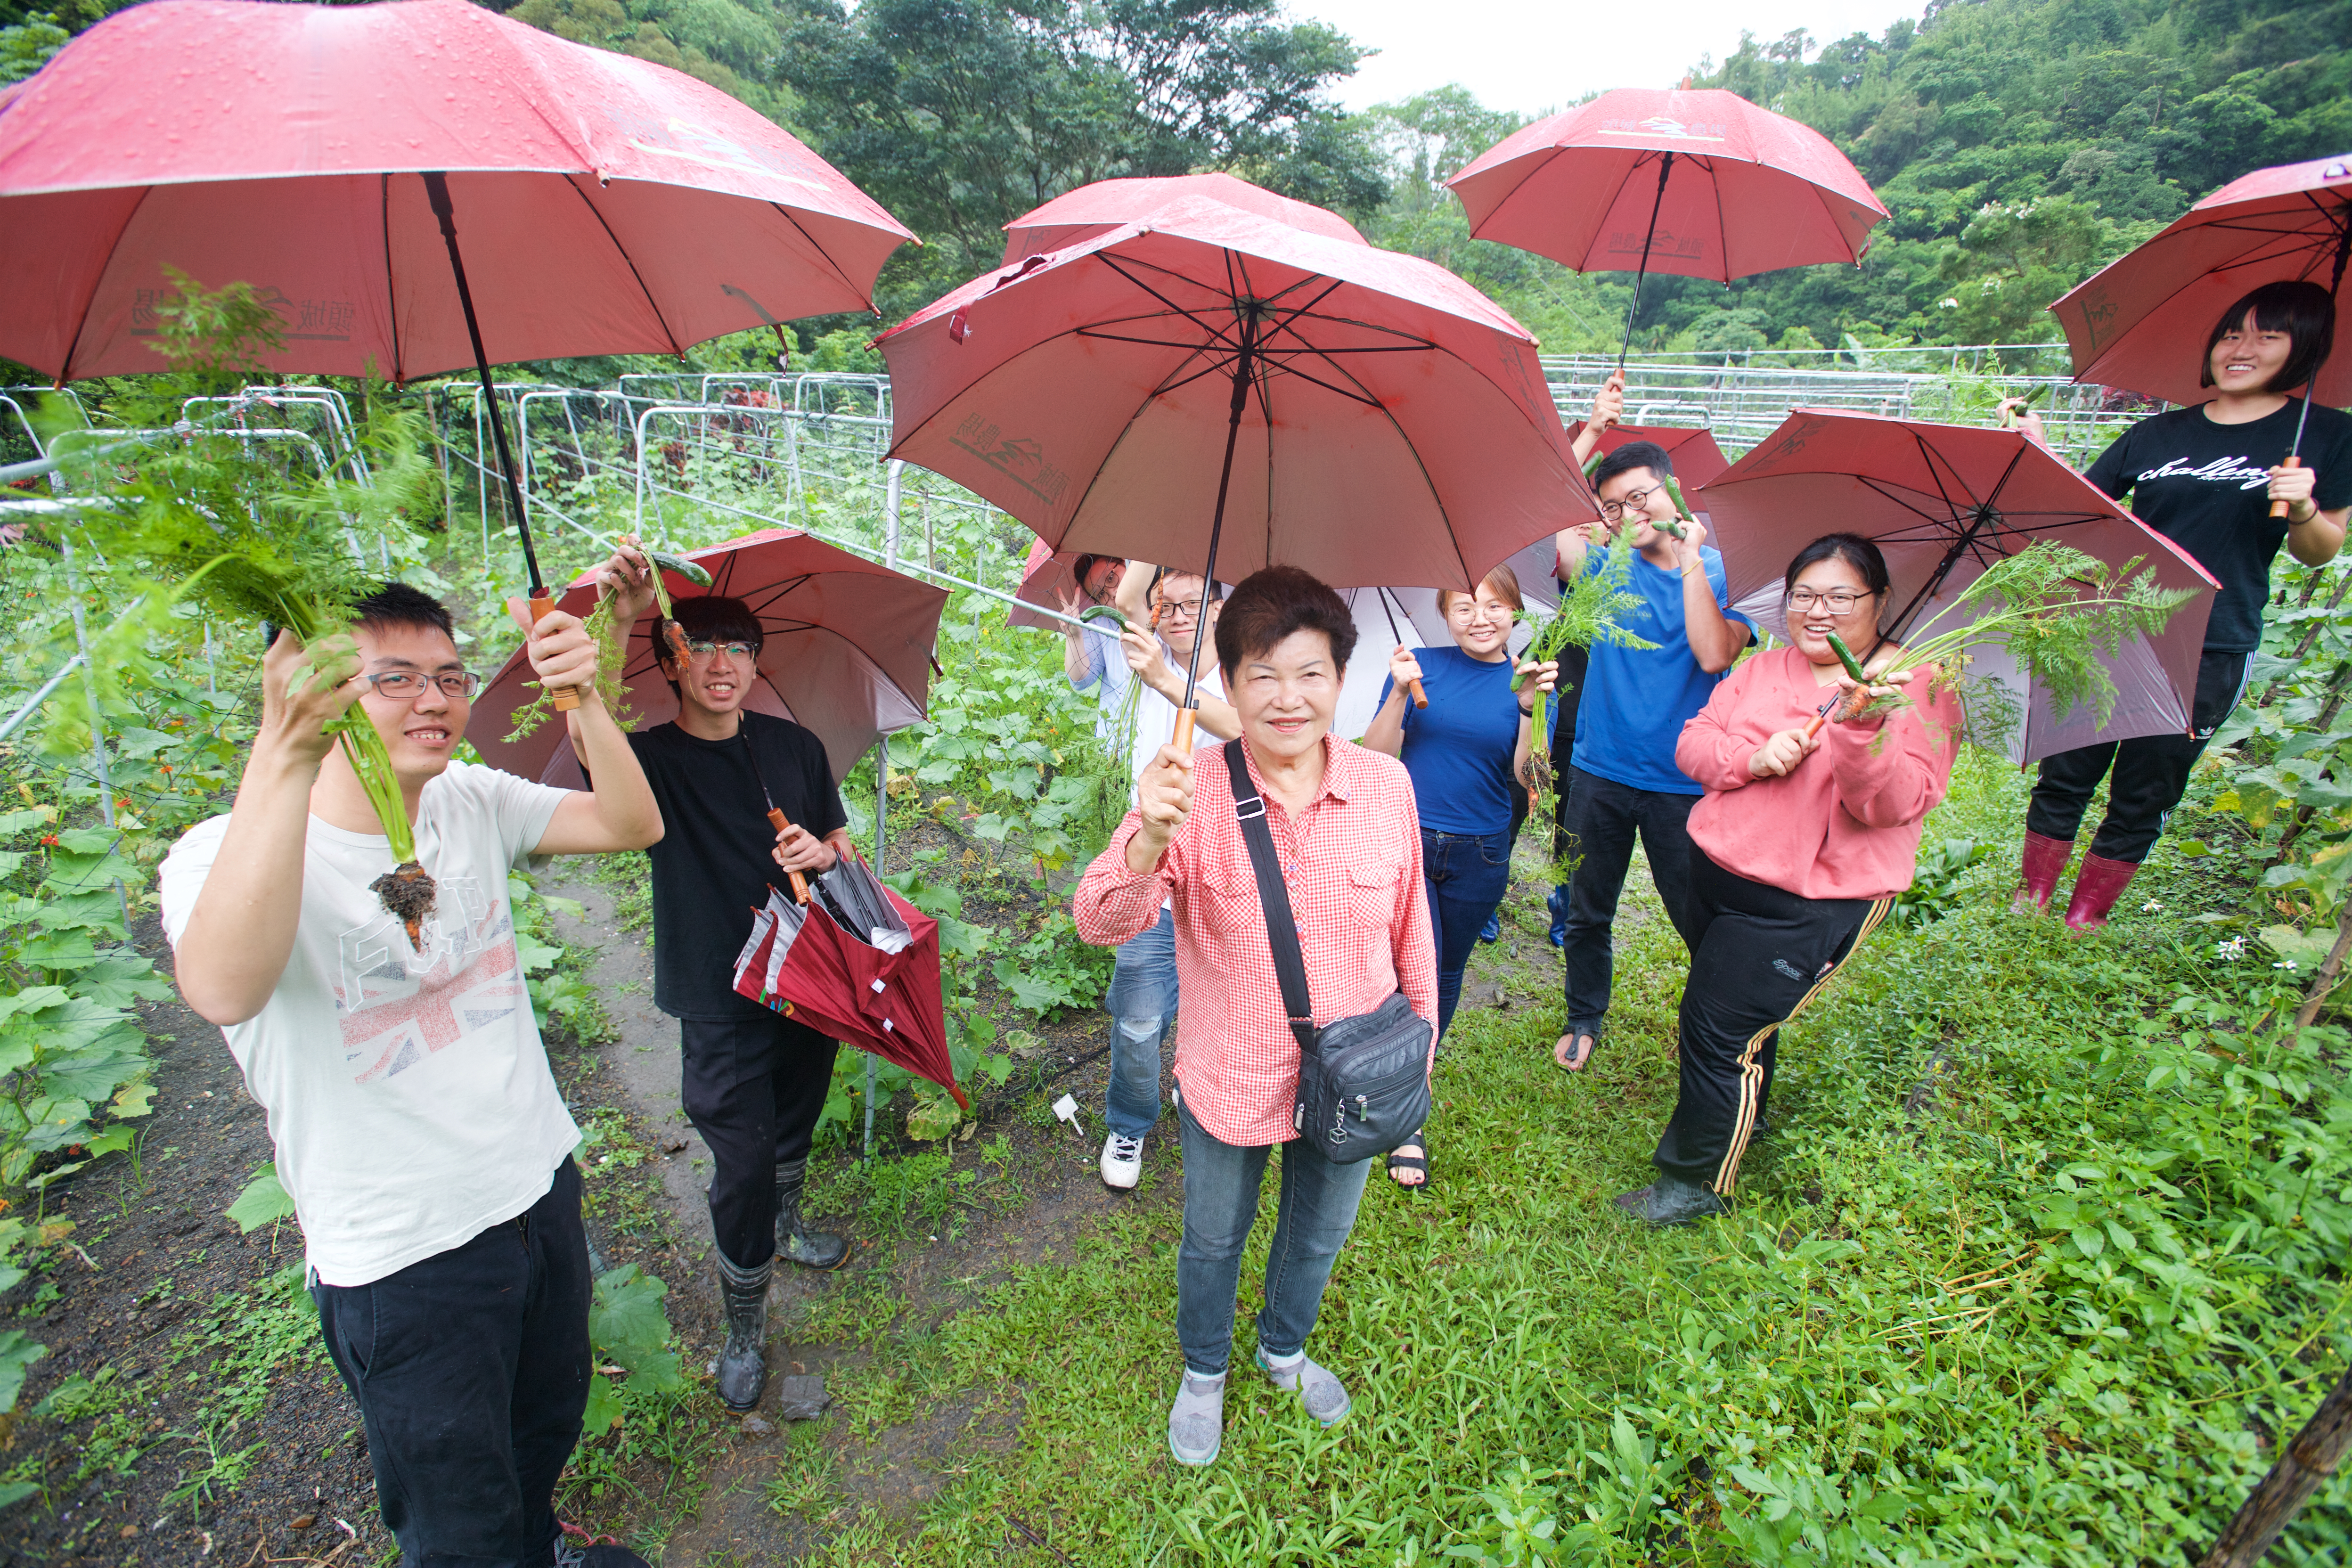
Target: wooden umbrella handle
x=1420 y=697
x=800 y=883
x=564 y=699
x=2279 y=508
x=1184 y=739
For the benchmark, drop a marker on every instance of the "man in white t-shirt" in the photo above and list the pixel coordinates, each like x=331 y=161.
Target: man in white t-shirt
x=417 y=1125
x=1142 y=998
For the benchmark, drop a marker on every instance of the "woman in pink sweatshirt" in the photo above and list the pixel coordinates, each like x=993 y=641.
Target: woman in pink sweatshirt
x=1804 y=837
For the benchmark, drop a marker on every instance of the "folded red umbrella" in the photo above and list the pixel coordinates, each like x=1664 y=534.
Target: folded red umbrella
x=858 y=962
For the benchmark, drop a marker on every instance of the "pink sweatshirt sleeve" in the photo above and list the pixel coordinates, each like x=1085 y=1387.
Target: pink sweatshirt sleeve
x=1894 y=771
x=1710 y=751
x=1113 y=903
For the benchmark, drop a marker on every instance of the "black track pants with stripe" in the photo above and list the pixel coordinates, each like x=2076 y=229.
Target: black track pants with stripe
x=1758 y=956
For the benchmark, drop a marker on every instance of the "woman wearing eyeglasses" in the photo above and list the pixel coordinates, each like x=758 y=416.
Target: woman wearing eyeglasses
x=1806 y=833
x=754 y=1081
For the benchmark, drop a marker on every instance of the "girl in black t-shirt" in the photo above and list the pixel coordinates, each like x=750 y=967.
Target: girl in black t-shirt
x=2204 y=477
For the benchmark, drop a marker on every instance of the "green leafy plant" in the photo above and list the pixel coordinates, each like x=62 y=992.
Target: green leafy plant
x=264 y=1201
x=1935 y=881
x=631 y=1332
x=2056 y=610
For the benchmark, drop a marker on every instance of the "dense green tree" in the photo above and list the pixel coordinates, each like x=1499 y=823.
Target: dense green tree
x=961 y=114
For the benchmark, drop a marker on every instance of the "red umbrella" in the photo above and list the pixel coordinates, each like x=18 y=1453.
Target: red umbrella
x=846 y=651
x=1378 y=419
x=1047 y=577
x=331 y=156
x=1701 y=184
x=2138 y=321
x=858 y=962
x=1943 y=502
x=1097 y=210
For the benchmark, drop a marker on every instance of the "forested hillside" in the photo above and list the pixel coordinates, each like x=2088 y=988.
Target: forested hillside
x=2018 y=144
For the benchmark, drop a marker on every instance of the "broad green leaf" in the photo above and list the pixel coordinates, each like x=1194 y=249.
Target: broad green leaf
x=83 y=842
x=120 y=977
x=535 y=954
x=604 y=1407
x=263 y=1202
x=21 y=820
x=932 y=1118
x=17 y=1353
x=59 y=950
x=625 y=1319
x=2088 y=1241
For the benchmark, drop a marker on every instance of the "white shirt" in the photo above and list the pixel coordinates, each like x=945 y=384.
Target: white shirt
x=1155 y=718
x=408 y=1094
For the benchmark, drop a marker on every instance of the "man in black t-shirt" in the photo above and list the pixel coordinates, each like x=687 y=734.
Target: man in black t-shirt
x=2204 y=477
x=753 y=1081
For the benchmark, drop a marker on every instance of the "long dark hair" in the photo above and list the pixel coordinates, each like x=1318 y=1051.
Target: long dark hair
x=1861 y=554
x=2305 y=311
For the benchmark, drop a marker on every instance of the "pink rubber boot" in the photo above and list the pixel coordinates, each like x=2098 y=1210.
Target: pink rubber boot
x=2097 y=886
x=2044 y=859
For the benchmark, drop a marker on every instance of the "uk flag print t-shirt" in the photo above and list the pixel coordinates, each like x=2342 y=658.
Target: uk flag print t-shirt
x=2206 y=487
x=408 y=1094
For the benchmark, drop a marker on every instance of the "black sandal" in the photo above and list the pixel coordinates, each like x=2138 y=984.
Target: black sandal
x=1412 y=1162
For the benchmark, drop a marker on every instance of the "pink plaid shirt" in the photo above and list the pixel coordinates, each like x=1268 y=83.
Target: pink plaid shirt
x=1352 y=863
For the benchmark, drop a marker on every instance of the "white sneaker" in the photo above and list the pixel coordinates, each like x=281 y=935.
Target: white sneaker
x=1122 y=1162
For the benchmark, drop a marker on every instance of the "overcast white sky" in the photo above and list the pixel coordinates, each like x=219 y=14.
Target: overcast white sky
x=1530 y=55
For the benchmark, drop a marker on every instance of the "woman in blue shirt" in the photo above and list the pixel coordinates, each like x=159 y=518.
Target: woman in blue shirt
x=1462 y=751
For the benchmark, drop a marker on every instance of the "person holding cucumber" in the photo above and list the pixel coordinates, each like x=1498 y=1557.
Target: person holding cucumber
x=2215 y=478
x=1624 y=783
x=1090 y=655
x=1819 y=761
x=1460 y=751
x=752 y=1082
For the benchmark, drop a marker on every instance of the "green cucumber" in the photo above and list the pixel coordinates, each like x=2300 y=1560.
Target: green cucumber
x=1103 y=613
x=1846 y=658
x=679 y=564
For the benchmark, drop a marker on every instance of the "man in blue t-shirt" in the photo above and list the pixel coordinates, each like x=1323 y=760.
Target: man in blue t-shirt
x=1632 y=709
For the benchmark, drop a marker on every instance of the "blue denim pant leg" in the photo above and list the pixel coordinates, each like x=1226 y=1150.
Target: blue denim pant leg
x=1141 y=1001
x=1465 y=875
x=1317 y=1210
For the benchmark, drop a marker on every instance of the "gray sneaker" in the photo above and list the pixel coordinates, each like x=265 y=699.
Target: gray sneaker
x=1670 y=1200
x=1323 y=1394
x=1196 y=1424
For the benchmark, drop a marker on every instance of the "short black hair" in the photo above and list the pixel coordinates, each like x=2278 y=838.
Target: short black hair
x=398 y=604
x=1634 y=455
x=1268 y=606
x=1863 y=554
x=2305 y=311
x=1086 y=564
x=712 y=617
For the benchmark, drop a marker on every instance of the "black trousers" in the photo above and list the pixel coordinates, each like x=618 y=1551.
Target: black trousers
x=471 y=1373
x=2151 y=771
x=1601 y=817
x=1758 y=956
x=753 y=1087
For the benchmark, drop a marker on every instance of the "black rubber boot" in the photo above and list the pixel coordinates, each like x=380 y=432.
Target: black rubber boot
x=809 y=1248
x=1670 y=1200
x=744 y=1365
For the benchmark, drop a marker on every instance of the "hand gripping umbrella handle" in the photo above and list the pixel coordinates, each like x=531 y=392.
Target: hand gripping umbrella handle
x=564 y=699
x=800 y=883
x=2279 y=508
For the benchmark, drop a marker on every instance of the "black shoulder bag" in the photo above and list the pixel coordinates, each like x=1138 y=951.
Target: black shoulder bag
x=1363 y=1082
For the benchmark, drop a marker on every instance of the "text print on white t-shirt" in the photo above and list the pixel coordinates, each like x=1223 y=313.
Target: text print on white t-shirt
x=399 y=1007
x=2220 y=471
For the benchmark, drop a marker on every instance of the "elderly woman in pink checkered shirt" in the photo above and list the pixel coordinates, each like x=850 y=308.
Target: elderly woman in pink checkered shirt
x=1349 y=843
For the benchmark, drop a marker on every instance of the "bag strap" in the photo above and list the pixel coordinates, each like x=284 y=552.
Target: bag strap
x=1281 y=929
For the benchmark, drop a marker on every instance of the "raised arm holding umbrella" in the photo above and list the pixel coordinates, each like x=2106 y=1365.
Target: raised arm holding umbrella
x=415 y=187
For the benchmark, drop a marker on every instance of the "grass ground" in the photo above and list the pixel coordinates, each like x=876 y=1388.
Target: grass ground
x=2041 y=1256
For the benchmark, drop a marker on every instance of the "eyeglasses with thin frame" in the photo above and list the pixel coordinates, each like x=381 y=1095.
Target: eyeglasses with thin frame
x=408 y=685
x=704 y=652
x=1631 y=501
x=1837 y=600
x=1173 y=609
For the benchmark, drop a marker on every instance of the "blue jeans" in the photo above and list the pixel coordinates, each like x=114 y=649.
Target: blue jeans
x=1143 y=1000
x=470 y=1368
x=1318 y=1209
x=1466 y=875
